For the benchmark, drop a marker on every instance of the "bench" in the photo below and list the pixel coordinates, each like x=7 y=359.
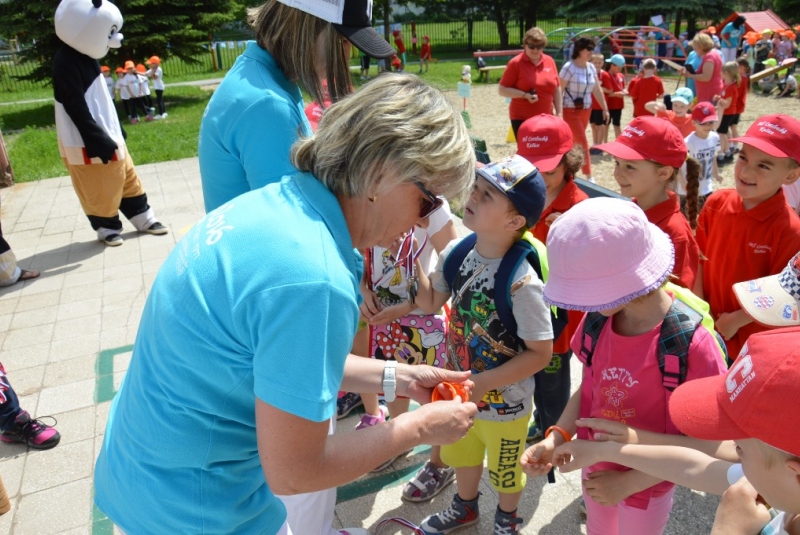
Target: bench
x=484 y=72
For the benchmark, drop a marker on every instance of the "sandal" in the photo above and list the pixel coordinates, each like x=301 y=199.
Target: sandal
x=428 y=482
x=27 y=275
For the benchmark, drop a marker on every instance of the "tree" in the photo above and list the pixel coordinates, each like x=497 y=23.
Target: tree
x=151 y=27
x=789 y=9
x=501 y=11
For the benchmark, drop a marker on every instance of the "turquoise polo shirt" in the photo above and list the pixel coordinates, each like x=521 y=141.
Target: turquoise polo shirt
x=248 y=128
x=259 y=300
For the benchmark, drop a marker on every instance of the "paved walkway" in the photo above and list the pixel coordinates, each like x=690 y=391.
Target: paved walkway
x=66 y=339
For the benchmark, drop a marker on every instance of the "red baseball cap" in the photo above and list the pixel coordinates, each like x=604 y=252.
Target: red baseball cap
x=704 y=112
x=756 y=399
x=649 y=138
x=543 y=140
x=778 y=135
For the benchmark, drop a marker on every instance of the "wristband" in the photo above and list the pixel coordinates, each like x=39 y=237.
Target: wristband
x=390 y=380
x=561 y=431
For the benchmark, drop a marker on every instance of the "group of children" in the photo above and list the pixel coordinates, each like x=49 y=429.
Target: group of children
x=133 y=86
x=664 y=280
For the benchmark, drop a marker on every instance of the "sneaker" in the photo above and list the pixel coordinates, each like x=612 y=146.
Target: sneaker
x=720 y=159
x=134 y=121
x=728 y=156
x=534 y=432
x=346 y=404
x=34 y=433
x=156 y=228
x=506 y=523
x=113 y=240
x=157 y=117
x=164 y=115
x=460 y=514
x=368 y=420
x=428 y=482
x=353 y=531
x=149 y=118
x=591 y=179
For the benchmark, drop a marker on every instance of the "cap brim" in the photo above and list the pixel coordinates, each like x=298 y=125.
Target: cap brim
x=761 y=145
x=620 y=151
x=709 y=119
x=680 y=99
x=695 y=410
x=767 y=302
x=367 y=40
x=545 y=163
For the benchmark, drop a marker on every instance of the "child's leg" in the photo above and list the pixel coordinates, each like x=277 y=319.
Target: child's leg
x=371 y=404
x=160 y=100
x=734 y=134
x=595 y=135
x=600 y=519
x=724 y=148
x=9 y=403
x=17 y=425
x=651 y=520
x=468 y=479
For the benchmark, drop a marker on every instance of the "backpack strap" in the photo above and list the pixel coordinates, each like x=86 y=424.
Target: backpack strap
x=677 y=331
x=456 y=257
x=504 y=278
x=593 y=324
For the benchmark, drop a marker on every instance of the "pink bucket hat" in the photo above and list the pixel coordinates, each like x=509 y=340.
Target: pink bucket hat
x=604 y=253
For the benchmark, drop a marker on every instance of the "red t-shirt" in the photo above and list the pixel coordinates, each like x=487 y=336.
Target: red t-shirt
x=615 y=83
x=730 y=91
x=668 y=217
x=521 y=74
x=741 y=95
x=741 y=245
x=401 y=46
x=684 y=124
x=566 y=199
x=425 y=51
x=643 y=91
x=605 y=81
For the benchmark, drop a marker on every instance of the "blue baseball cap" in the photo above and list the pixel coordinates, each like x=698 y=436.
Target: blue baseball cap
x=683 y=95
x=521 y=182
x=617 y=59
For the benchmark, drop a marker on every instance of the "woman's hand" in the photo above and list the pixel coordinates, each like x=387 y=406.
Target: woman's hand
x=417 y=382
x=444 y=422
x=531 y=97
x=607 y=430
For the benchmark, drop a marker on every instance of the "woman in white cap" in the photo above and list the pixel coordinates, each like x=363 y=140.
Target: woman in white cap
x=256 y=114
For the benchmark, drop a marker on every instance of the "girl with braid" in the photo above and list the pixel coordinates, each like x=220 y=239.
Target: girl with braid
x=650 y=154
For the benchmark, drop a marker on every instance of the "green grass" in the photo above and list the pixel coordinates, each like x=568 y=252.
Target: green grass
x=34 y=151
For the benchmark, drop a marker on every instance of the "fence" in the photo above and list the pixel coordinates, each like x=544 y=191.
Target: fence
x=453 y=37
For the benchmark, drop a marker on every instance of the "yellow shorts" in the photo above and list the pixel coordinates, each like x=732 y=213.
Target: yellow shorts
x=501 y=443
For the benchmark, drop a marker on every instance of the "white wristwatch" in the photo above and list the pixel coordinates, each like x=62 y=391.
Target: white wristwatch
x=390 y=380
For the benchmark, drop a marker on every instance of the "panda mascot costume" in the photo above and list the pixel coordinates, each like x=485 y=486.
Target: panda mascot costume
x=90 y=138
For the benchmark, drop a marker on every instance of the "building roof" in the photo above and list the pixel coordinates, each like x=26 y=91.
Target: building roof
x=757 y=21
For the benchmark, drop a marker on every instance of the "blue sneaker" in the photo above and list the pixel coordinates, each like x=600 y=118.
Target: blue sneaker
x=459 y=515
x=506 y=523
x=346 y=404
x=534 y=432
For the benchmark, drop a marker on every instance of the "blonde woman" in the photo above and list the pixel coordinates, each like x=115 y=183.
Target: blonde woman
x=708 y=77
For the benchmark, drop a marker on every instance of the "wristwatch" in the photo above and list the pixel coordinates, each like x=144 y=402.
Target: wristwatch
x=390 y=380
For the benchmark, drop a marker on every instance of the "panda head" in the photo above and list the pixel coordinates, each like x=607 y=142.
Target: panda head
x=89 y=26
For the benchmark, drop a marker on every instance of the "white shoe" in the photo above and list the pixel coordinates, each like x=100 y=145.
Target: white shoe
x=158 y=117
x=591 y=179
x=164 y=115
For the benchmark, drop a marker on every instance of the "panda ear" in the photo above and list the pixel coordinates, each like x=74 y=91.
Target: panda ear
x=97 y=3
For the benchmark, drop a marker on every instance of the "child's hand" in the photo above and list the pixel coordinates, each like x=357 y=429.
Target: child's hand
x=607 y=430
x=371 y=305
x=549 y=220
x=609 y=487
x=739 y=513
x=389 y=314
x=537 y=460
x=727 y=325
x=578 y=454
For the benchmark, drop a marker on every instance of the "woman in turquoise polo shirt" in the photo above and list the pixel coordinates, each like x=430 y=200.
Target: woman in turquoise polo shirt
x=245 y=337
x=257 y=112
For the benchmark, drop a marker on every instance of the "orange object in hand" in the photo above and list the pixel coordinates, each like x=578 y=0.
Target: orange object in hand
x=453 y=390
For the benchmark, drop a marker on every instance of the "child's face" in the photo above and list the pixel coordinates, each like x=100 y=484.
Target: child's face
x=742 y=70
x=637 y=178
x=487 y=209
x=598 y=62
x=759 y=176
x=703 y=129
x=555 y=178
x=107 y=74
x=771 y=473
x=680 y=108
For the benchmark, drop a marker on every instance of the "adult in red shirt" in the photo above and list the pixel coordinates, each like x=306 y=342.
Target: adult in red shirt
x=531 y=81
x=708 y=78
x=547 y=142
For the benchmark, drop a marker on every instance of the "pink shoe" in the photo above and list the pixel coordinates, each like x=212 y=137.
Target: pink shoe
x=368 y=420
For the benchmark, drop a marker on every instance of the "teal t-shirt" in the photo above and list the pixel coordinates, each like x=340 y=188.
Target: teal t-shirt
x=259 y=299
x=731 y=33
x=248 y=128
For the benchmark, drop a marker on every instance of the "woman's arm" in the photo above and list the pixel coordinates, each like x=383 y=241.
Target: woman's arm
x=512 y=92
x=558 y=101
x=705 y=74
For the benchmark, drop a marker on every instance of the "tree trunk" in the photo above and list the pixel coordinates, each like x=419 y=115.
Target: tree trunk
x=691 y=24
x=619 y=19
x=529 y=12
x=387 y=11
x=502 y=25
x=678 y=20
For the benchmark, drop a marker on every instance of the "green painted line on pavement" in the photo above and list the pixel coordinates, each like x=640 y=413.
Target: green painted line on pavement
x=363 y=487
x=104 y=373
x=101 y=524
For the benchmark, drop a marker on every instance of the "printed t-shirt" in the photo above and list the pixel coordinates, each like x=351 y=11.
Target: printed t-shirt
x=684 y=124
x=616 y=83
x=249 y=127
x=741 y=245
x=626 y=386
x=730 y=91
x=667 y=216
x=702 y=150
x=222 y=326
x=643 y=91
x=477 y=341
x=521 y=74
x=732 y=34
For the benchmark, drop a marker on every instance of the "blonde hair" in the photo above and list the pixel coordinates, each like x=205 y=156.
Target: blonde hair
x=536 y=35
x=290 y=36
x=703 y=42
x=649 y=64
x=395 y=130
x=732 y=68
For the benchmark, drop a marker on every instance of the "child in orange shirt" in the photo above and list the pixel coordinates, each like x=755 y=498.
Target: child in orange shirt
x=741 y=99
x=680 y=114
x=546 y=141
x=726 y=103
x=750 y=232
x=649 y=155
x=645 y=88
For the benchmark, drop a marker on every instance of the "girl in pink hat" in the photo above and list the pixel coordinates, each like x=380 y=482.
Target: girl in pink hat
x=628 y=300
x=650 y=154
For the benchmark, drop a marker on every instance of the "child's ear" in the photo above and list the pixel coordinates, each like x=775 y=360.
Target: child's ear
x=665 y=172
x=793 y=464
x=516 y=223
x=794 y=174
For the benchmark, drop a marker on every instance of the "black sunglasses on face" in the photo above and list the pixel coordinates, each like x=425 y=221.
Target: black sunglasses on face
x=534 y=47
x=430 y=202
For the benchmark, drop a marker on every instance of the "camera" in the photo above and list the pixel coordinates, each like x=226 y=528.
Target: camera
x=578 y=101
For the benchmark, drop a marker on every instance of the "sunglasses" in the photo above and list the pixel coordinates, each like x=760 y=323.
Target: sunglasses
x=534 y=47
x=430 y=202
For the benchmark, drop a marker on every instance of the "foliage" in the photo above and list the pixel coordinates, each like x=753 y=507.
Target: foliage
x=176 y=28
x=788 y=9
